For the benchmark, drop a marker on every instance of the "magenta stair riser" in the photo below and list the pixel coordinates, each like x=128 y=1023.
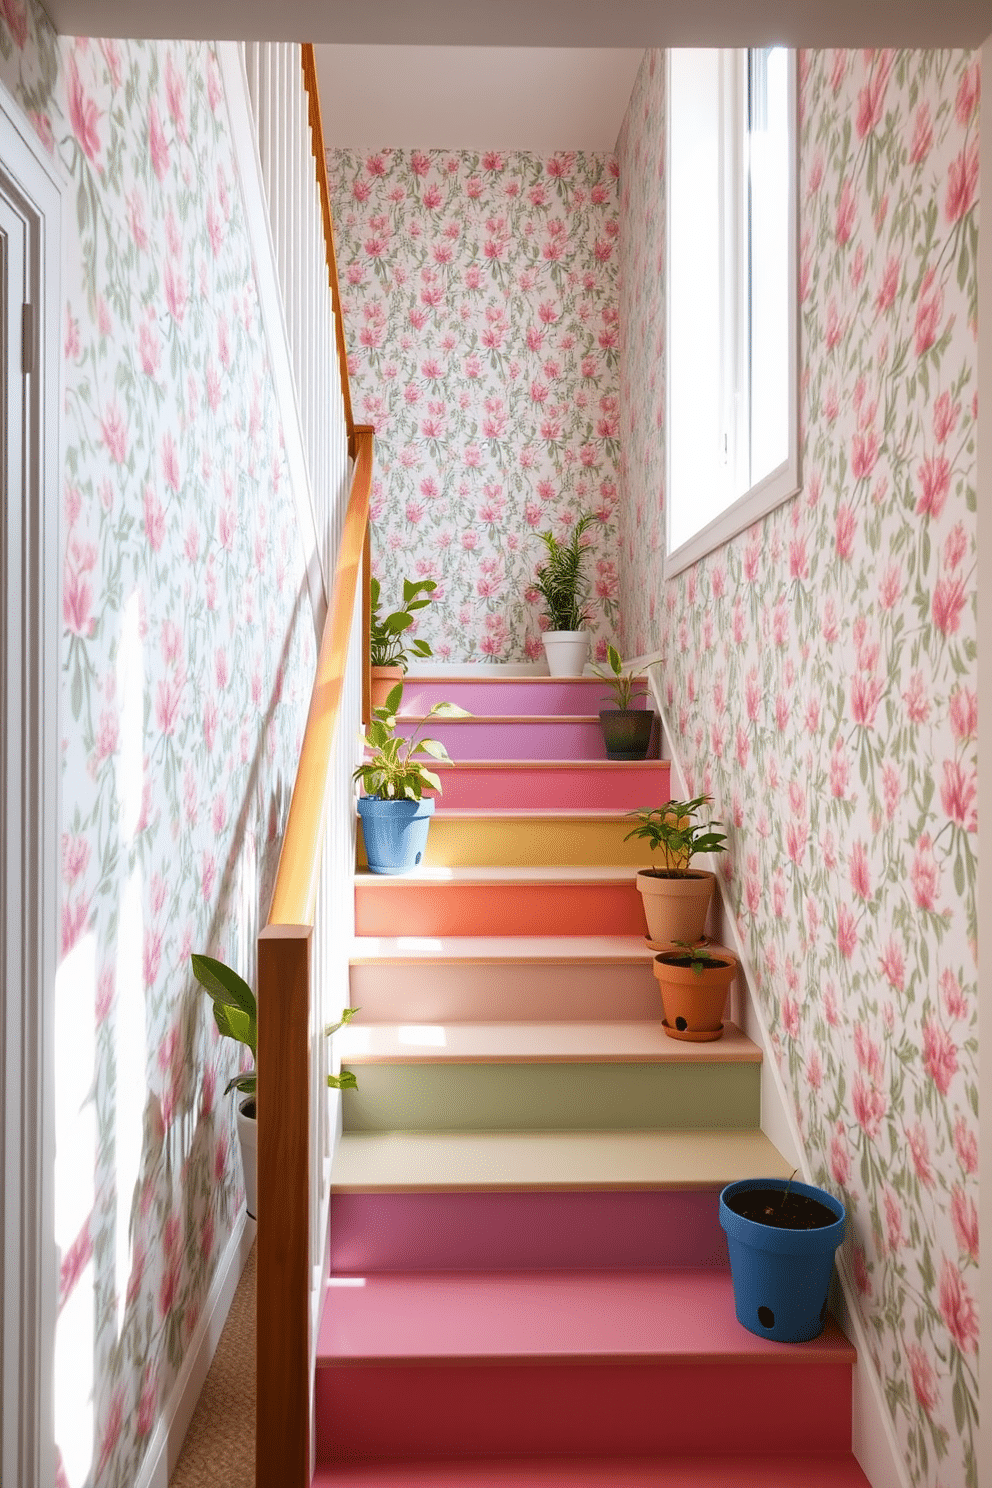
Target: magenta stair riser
x=537 y=739
x=581 y=1409
x=474 y=787
x=406 y=907
x=526 y=1231
x=517 y=695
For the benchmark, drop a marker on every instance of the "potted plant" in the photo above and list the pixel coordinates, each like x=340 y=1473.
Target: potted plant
x=782 y=1237
x=676 y=897
x=395 y=812
x=626 y=730
x=388 y=653
x=564 y=589
x=236 y=1016
x=694 y=981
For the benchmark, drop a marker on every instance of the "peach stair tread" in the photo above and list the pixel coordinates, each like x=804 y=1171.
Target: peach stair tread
x=540 y=874
x=505 y=949
x=536 y=1043
x=548 y=1161
x=597 y=1316
x=840 y=1471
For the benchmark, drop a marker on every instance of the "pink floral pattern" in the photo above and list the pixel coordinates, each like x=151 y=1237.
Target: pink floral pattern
x=180 y=553
x=480 y=298
x=820 y=678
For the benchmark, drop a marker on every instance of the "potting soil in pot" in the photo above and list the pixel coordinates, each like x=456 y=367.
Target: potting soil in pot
x=781 y=1209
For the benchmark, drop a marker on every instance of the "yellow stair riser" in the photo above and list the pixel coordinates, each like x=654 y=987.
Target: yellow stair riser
x=509 y=842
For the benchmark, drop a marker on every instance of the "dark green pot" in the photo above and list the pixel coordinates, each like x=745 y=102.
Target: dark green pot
x=627 y=732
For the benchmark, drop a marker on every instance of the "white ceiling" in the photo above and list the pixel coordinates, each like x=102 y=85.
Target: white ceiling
x=475 y=98
x=553 y=23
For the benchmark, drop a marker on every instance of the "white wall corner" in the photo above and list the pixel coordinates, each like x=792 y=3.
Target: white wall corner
x=984 y=582
x=244 y=143
x=873 y=1437
x=170 y=1431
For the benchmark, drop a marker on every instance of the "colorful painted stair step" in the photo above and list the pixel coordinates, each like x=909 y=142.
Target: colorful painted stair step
x=501 y=695
x=564 y=739
x=464 y=837
x=567 y=1362
x=532 y=784
x=479 y=900
x=836 y=1470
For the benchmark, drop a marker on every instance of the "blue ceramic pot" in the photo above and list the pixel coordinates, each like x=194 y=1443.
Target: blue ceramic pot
x=781 y=1277
x=395 y=832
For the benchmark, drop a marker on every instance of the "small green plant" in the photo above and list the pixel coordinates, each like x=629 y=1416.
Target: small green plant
x=385 y=633
x=561 y=582
x=392 y=772
x=673 y=830
x=236 y=1016
x=695 y=956
x=625 y=687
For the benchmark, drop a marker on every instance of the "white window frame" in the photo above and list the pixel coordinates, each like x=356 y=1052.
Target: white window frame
x=785 y=480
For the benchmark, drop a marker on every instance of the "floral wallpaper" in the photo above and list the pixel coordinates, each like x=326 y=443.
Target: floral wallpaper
x=187 y=651
x=820 y=677
x=480 y=300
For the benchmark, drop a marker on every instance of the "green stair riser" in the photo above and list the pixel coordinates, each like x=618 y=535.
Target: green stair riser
x=552 y=1097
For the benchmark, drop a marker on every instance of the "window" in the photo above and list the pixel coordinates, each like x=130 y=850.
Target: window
x=732 y=378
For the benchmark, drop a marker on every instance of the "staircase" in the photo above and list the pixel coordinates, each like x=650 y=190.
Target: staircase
x=529 y=1282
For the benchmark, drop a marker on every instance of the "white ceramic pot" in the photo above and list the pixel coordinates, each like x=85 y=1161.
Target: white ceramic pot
x=567 y=651
x=248 y=1137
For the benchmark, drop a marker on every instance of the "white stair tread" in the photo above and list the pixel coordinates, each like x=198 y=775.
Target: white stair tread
x=536 y=1043
x=611 y=950
x=524 y=873
x=463 y=1162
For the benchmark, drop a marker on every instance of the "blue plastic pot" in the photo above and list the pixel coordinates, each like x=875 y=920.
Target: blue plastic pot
x=781 y=1277
x=395 y=832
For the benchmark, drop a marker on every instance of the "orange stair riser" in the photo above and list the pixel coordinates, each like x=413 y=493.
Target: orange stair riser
x=405 y=907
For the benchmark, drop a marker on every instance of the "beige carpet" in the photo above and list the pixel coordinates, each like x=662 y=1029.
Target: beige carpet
x=219 y=1450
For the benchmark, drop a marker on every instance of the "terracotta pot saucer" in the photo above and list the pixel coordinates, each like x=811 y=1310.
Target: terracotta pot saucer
x=700 y=1036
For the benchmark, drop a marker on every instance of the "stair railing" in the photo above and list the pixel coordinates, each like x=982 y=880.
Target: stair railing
x=302 y=952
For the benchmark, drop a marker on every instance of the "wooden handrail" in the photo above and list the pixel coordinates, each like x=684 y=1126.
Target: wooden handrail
x=320 y=166
x=295 y=892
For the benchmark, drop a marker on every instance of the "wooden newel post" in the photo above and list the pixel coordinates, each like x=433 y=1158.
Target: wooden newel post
x=282 y=1452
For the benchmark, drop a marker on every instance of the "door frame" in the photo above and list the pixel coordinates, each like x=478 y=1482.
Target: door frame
x=30 y=588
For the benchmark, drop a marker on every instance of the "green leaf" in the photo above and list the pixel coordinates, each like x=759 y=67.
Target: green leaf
x=393 y=700
x=433 y=747
x=223 y=983
x=448 y=710
x=431 y=779
x=346 y=1016
x=344 y=1081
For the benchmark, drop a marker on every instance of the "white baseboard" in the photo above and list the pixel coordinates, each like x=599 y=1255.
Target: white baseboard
x=170 y=1432
x=873 y=1438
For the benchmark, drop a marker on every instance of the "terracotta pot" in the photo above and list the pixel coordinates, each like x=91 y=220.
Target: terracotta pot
x=694 y=1000
x=384 y=679
x=676 y=908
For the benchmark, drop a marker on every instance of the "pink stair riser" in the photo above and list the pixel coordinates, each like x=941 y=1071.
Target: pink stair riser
x=834 y=1471
x=517 y=695
x=446 y=1409
x=514 y=739
x=623 y=1230
x=409 y=907
x=478 y=785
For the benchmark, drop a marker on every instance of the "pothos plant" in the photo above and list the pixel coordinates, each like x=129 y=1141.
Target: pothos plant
x=236 y=1016
x=673 y=831
x=392 y=771
x=560 y=580
x=386 y=644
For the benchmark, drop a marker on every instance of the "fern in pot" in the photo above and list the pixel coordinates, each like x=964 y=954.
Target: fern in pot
x=676 y=897
x=565 y=590
x=236 y=1016
x=395 y=812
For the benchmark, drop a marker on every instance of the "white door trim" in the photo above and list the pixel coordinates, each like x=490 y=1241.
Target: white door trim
x=29 y=826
